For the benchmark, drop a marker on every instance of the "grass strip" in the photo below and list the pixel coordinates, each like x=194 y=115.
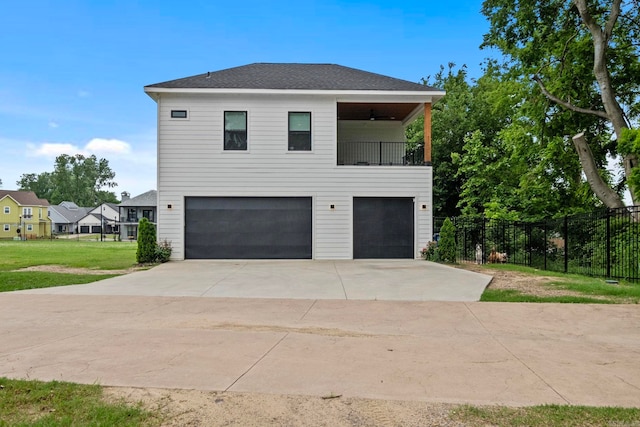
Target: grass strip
x=22 y=280
x=512 y=295
x=548 y=415
x=37 y=403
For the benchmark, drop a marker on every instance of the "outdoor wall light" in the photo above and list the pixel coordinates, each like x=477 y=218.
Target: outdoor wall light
x=424 y=207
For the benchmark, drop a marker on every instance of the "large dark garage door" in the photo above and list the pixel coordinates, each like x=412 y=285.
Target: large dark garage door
x=248 y=227
x=383 y=227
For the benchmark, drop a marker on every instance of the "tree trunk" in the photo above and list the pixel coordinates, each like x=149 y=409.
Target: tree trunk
x=602 y=190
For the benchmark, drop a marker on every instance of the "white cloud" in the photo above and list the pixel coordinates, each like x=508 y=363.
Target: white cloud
x=53 y=124
x=97 y=146
x=51 y=150
x=84 y=94
x=107 y=146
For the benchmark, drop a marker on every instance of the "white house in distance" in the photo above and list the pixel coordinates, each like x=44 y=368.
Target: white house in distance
x=104 y=217
x=291 y=161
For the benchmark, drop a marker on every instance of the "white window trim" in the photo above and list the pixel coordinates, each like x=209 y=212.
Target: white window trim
x=29 y=227
x=7 y=209
x=7 y=227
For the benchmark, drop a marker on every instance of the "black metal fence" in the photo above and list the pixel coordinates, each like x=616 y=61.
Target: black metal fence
x=381 y=153
x=603 y=243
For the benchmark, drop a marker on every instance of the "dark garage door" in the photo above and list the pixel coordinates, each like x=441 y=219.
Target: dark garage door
x=248 y=227
x=383 y=227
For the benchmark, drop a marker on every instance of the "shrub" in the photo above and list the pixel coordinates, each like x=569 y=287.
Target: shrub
x=146 y=242
x=163 y=251
x=431 y=252
x=447 y=242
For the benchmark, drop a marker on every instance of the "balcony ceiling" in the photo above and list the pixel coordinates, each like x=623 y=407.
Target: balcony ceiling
x=374 y=111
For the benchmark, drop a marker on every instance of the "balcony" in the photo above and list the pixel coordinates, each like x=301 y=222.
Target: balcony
x=379 y=153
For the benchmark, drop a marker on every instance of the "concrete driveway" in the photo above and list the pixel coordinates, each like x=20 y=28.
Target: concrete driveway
x=389 y=280
x=152 y=329
x=459 y=352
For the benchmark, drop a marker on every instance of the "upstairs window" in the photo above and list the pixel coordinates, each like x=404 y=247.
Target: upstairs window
x=299 y=131
x=179 y=114
x=27 y=213
x=235 y=130
x=7 y=209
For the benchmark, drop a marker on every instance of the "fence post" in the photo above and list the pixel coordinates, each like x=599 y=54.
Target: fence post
x=566 y=243
x=484 y=239
x=544 y=227
x=608 y=242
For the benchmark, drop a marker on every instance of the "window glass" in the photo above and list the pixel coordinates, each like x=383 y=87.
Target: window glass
x=235 y=130
x=178 y=114
x=6 y=227
x=7 y=209
x=299 y=131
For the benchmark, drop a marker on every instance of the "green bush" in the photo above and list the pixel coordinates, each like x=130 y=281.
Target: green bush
x=163 y=251
x=146 y=242
x=430 y=252
x=447 y=243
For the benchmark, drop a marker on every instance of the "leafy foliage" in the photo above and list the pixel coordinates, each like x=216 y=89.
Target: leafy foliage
x=146 y=252
x=629 y=143
x=149 y=250
x=430 y=252
x=447 y=242
x=550 y=50
x=76 y=178
x=163 y=251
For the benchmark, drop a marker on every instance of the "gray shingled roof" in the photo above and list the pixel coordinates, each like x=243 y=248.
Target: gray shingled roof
x=150 y=198
x=293 y=76
x=71 y=215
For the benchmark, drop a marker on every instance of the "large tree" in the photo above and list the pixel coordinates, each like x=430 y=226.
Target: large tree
x=583 y=57
x=76 y=178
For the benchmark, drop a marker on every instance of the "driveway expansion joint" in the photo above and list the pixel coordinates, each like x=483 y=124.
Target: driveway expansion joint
x=493 y=337
x=256 y=362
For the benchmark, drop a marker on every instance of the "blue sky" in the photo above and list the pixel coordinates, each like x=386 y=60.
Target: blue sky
x=72 y=72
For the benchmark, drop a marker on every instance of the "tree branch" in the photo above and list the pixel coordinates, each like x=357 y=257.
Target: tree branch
x=568 y=105
x=613 y=17
x=602 y=190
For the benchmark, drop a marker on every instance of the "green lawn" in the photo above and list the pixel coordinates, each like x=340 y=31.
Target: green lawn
x=548 y=415
x=94 y=255
x=592 y=289
x=37 y=403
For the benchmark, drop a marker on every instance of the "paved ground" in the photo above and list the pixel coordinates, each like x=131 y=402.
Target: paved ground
x=481 y=353
x=390 y=280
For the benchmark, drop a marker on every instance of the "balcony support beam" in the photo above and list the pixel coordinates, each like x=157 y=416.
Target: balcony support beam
x=427 y=134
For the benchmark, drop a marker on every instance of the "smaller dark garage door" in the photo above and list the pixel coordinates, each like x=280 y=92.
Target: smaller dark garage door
x=383 y=227
x=248 y=228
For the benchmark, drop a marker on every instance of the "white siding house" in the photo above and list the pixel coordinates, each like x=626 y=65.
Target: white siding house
x=292 y=161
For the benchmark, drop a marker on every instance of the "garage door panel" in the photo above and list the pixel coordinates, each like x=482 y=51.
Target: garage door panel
x=248 y=228
x=383 y=227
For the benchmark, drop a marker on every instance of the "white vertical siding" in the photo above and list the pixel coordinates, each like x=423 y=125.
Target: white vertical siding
x=192 y=162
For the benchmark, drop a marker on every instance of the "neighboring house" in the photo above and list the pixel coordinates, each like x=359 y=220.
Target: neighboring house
x=65 y=217
x=132 y=210
x=23 y=215
x=104 y=217
x=292 y=161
